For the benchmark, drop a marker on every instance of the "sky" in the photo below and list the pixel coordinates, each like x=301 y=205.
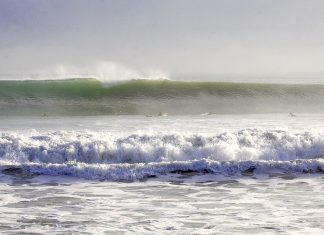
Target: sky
x=168 y=36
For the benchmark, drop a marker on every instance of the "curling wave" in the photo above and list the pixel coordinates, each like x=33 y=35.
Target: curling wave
x=92 y=97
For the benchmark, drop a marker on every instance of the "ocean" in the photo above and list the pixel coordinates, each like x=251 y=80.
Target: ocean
x=157 y=157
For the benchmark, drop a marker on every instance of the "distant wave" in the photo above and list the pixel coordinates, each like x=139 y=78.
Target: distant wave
x=90 y=88
x=97 y=155
x=92 y=97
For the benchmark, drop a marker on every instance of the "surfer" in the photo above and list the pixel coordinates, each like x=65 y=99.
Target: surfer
x=291 y=114
x=162 y=114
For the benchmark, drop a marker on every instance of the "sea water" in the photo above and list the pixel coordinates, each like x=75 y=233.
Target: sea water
x=186 y=174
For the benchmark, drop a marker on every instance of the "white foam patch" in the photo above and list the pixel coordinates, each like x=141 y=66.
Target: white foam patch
x=103 y=155
x=100 y=147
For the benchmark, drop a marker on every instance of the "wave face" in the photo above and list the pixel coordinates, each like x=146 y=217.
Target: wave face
x=91 y=97
x=95 y=155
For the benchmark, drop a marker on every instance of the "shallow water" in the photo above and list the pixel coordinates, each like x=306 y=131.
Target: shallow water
x=206 y=204
x=190 y=124
x=181 y=197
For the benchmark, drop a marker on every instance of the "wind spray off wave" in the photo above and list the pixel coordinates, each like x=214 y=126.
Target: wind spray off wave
x=103 y=71
x=92 y=97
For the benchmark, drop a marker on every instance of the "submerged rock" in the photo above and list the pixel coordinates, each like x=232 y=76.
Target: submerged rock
x=18 y=172
x=318 y=170
x=249 y=171
x=189 y=172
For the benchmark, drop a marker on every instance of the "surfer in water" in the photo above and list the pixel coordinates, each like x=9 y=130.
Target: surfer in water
x=162 y=114
x=291 y=114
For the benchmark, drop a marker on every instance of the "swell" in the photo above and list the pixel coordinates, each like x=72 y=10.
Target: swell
x=94 y=89
x=91 y=97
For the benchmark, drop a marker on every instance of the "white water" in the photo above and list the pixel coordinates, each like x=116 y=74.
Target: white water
x=283 y=194
x=119 y=148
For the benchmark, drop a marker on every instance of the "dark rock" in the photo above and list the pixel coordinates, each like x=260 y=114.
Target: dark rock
x=150 y=176
x=319 y=170
x=249 y=171
x=147 y=177
x=18 y=172
x=307 y=171
x=183 y=172
x=205 y=171
x=190 y=172
x=311 y=171
x=288 y=177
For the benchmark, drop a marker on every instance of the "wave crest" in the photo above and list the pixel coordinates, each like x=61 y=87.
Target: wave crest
x=95 y=155
x=103 y=148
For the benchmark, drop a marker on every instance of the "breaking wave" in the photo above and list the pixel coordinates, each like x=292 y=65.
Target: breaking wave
x=92 y=97
x=96 y=155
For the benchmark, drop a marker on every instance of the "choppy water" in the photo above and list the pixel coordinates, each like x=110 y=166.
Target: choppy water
x=203 y=174
x=199 y=205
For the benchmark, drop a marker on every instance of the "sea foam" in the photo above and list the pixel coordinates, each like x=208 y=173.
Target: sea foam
x=103 y=155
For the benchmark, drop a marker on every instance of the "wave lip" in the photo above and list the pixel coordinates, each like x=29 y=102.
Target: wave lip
x=92 y=97
x=157 y=87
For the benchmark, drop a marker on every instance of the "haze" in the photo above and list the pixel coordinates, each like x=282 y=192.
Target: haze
x=170 y=36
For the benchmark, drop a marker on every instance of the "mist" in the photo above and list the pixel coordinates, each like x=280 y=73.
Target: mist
x=121 y=39
x=104 y=71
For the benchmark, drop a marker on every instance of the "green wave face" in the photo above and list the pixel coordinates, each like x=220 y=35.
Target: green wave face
x=73 y=88
x=91 y=97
